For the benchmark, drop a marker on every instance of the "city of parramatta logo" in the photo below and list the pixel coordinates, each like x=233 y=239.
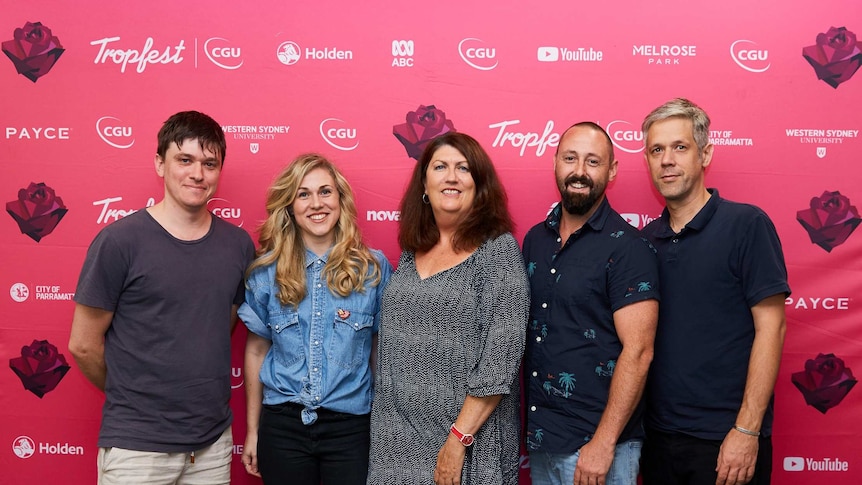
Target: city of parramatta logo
x=111 y=50
x=799 y=464
x=37 y=210
x=422 y=126
x=625 y=136
x=289 y=53
x=24 y=447
x=821 y=137
x=38 y=133
x=40 y=367
x=222 y=53
x=109 y=212
x=33 y=50
x=726 y=138
x=664 y=55
x=19 y=292
x=477 y=54
x=115 y=132
x=254 y=134
x=835 y=56
x=638 y=221
x=223 y=209
x=747 y=55
x=565 y=54
x=402 y=53
x=829 y=219
x=522 y=140
x=824 y=382
x=338 y=134
x=383 y=216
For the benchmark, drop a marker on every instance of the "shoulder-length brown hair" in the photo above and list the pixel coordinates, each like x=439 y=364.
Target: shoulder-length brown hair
x=488 y=217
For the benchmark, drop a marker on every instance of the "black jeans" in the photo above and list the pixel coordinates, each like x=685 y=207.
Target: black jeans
x=680 y=459
x=332 y=451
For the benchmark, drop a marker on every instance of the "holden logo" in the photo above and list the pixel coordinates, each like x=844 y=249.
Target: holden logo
x=113 y=132
x=288 y=53
x=23 y=446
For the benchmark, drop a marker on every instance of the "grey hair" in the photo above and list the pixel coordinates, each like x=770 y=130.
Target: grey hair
x=685 y=109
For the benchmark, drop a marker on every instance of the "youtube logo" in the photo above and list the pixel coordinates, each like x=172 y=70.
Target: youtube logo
x=794 y=463
x=548 y=54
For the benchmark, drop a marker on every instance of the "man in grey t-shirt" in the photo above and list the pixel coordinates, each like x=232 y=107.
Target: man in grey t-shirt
x=155 y=306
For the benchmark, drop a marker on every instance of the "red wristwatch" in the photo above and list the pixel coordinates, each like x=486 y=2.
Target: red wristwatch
x=464 y=438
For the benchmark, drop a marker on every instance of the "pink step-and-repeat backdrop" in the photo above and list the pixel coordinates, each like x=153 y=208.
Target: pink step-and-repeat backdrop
x=86 y=85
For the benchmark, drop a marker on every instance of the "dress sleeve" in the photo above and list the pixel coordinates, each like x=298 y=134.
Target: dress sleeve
x=503 y=309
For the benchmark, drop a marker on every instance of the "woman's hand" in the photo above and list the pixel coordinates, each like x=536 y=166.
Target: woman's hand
x=450 y=462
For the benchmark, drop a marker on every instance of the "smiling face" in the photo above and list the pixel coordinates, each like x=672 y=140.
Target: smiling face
x=583 y=167
x=191 y=175
x=675 y=162
x=316 y=209
x=448 y=183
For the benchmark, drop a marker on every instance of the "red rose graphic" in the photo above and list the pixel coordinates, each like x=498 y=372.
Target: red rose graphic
x=33 y=50
x=423 y=125
x=824 y=382
x=37 y=211
x=836 y=56
x=40 y=367
x=830 y=220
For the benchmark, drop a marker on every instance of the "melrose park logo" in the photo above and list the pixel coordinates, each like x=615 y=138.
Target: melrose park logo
x=835 y=56
x=33 y=50
x=37 y=210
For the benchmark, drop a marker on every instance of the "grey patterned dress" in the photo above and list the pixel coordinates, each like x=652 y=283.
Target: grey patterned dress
x=456 y=332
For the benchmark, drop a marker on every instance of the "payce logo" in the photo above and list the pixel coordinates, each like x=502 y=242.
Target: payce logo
x=624 y=137
x=747 y=56
x=289 y=53
x=114 y=132
x=37 y=133
x=338 y=136
x=476 y=55
x=220 y=52
x=798 y=464
x=402 y=53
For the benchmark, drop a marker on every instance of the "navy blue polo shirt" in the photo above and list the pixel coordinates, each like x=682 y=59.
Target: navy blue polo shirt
x=722 y=263
x=572 y=345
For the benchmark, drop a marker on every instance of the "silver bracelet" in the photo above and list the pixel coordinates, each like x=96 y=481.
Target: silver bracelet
x=746 y=431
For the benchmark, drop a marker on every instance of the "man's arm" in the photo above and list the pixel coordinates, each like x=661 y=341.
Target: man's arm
x=635 y=325
x=233 y=317
x=87 y=341
x=739 y=450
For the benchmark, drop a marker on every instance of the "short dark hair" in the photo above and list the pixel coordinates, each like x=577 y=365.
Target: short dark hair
x=595 y=127
x=488 y=217
x=192 y=125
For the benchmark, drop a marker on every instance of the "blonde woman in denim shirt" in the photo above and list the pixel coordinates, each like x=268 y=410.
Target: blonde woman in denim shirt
x=312 y=299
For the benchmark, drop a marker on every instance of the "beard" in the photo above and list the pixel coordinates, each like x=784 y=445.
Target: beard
x=580 y=204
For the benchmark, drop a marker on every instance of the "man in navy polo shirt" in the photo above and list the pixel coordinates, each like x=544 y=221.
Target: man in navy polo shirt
x=593 y=313
x=721 y=323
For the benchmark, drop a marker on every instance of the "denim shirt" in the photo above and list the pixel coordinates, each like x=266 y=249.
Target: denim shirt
x=320 y=351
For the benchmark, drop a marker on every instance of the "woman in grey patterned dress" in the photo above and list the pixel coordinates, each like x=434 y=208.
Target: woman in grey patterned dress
x=452 y=329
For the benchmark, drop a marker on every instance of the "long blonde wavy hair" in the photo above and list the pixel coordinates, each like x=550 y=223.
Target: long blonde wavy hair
x=350 y=266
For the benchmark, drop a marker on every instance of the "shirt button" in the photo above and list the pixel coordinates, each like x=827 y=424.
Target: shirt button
x=559 y=239
x=675 y=241
x=276 y=327
x=535 y=373
x=318 y=314
x=317 y=398
x=356 y=326
x=314 y=369
x=553 y=270
x=538 y=339
x=544 y=305
x=319 y=285
x=532 y=408
x=316 y=342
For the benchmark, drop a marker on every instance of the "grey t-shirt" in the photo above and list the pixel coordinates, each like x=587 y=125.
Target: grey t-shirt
x=167 y=350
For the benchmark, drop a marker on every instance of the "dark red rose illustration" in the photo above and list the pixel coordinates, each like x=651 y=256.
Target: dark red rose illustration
x=37 y=211
x=423 y=125
x=824 y=382
x=40 y=367
x=835 y=57
x=33 y=50
x=830 y=220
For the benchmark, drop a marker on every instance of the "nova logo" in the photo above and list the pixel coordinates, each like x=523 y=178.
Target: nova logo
x=19 y=292
x=794 y=463
x=221 y=208
x=473 y=52
x=337 y=136
x=379 y=216
x=402 y=53
x=112 y=132
x=548 y=54
x=23 y=447
x=627 y=140
x=219 y=51
x=746 y=56
x=288 y=53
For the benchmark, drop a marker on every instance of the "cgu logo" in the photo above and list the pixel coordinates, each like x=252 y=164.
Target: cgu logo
x=236 y=378
x=112 y=132
x=222 y=56
x=750 y=59
x=224 y=211
x=480 y=58
x=336 y=136
x=629 y=141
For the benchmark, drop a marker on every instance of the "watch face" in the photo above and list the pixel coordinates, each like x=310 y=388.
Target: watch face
x=467 y=440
